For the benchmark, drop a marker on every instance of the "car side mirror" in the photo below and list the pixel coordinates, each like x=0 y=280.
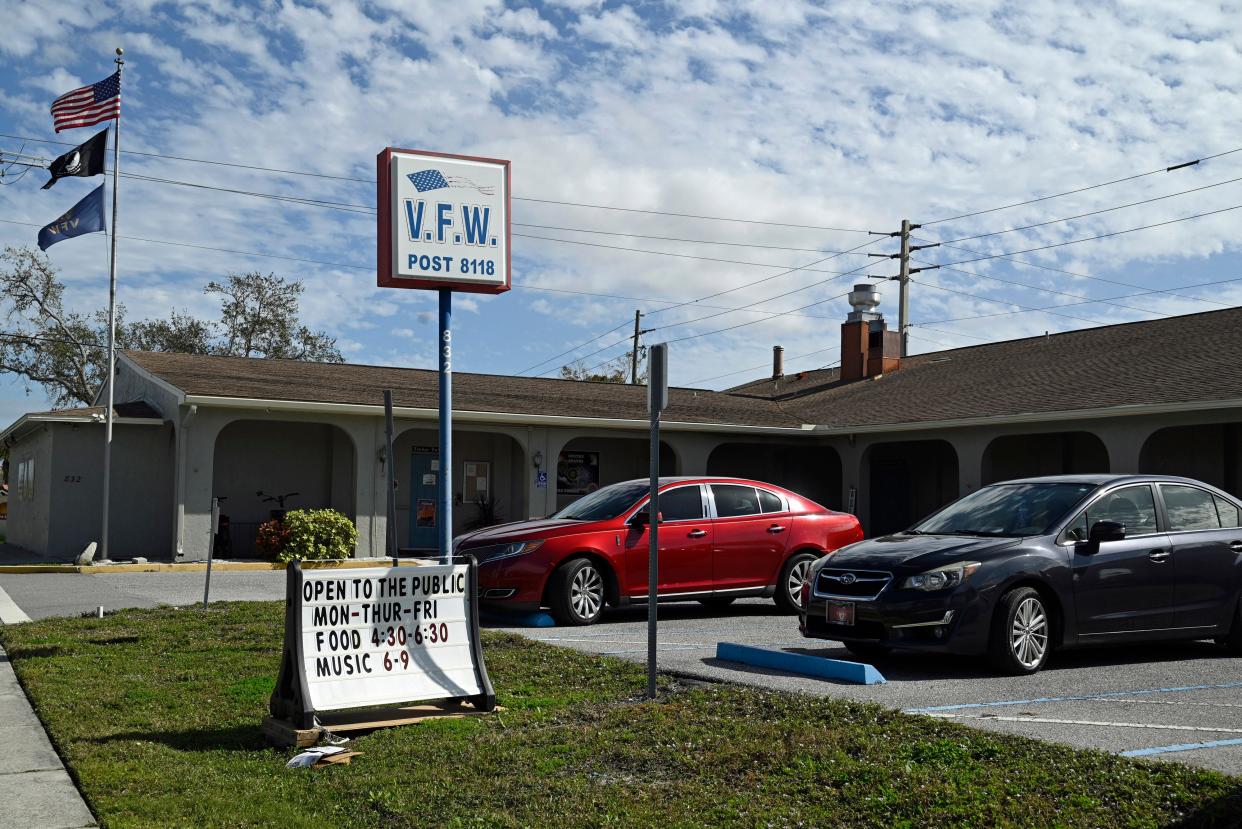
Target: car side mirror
x=642 y=518
x=1107 y=531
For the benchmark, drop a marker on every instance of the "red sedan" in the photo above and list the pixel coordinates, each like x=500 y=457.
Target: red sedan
x=720 y=539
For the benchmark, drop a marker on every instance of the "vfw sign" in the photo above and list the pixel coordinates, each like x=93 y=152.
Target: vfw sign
x=443 y=221
x=379 y=636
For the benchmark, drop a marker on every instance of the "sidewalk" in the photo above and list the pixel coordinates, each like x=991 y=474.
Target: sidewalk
x=35 y=790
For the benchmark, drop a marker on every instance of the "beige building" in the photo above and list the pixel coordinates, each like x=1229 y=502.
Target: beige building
x=890 y=439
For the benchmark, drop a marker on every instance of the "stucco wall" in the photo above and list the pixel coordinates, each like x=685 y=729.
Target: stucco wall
x=29 y=517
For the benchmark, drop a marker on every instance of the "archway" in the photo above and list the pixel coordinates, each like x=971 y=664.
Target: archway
x=1211 y=452
x=315 y=460
x=907 y=481
x=813 y=471
x=1050 y=453
x=585 y=464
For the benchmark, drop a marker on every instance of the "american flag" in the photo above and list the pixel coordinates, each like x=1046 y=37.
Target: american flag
x=88 y=105
x=425 y=180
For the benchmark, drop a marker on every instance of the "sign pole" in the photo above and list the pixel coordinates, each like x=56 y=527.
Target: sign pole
x=445 y=479
x=392 y=478
x=657 y=400
x=211 y=548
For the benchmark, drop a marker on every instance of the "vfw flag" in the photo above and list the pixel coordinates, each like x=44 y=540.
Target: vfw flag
x=87 y=216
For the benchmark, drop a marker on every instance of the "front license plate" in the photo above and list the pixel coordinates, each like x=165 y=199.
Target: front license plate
x=841 y=613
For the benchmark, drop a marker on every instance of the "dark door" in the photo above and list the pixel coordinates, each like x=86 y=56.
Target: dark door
x=1206 y=544
x=750 y=543
x=424 y=473
x=685 y=560
x=1124 y=586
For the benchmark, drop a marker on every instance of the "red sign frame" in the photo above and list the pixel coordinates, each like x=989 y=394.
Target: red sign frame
x=383 y=254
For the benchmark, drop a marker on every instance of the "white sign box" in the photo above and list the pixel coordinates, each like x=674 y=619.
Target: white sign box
x=443 y=222
x=378 y=636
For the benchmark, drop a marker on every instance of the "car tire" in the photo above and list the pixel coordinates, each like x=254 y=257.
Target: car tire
x=866 y=650
x=718 y=602
x=1021 y=636
x=788 y=597
x=1233 y=639
x=577 y=593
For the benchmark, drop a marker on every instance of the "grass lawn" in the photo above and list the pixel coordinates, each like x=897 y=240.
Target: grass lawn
x=157 y=713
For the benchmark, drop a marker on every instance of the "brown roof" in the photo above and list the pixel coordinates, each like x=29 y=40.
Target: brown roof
x=359 y=384
x=1171 y=360
x=136 y=409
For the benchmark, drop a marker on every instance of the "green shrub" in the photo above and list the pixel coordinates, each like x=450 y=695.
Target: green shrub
x=318 y=535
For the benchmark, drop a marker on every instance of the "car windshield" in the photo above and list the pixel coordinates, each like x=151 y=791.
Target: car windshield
x=1011 y=510
x=605 y=503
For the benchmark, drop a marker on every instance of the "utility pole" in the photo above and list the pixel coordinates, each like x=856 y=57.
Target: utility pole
x=638 y=316
x=903 y=281
x=903 y=277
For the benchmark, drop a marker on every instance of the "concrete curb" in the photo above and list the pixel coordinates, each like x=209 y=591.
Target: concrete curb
x=201 y=566
x=35 y=790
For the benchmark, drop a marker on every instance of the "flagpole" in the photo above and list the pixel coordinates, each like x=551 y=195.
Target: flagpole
x=116 y=181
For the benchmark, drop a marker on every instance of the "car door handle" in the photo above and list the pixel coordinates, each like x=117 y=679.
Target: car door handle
x=697 y=533
x=776 y=528
x=1236 y=546
x=1159 y=556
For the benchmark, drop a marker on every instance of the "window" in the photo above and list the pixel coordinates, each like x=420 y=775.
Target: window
x=605 y=503
x=770 y=502
x=1132 y=506
x=25 y=480
x=1010 y=510
x=733 y=500
x=1228 y=513
x=1189 y=508
x=476 y=476
x=685 y=503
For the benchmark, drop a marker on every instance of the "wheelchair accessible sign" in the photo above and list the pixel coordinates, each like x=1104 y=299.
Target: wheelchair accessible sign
x=443 y=222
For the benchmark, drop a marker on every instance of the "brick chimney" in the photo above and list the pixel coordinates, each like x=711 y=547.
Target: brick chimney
x=868 y=348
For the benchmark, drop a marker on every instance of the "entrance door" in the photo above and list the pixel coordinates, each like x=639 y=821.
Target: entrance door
x=424 y=476
x=1124 y=586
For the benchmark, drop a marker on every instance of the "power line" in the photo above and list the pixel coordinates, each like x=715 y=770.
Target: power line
x=1093 y=212
x=1006 y=302
x=1094 y=238
x=670 y=238
x=575 y=348
x=1077 y=275
x=1168 y=169
x=515 y=198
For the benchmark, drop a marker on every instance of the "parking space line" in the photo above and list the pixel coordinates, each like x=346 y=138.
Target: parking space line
x=1154 y=750
x=1059 y=721
x=661 y=648
x=1169 y=702
x=10 y=613
x=690 y=645
x=1076 y=698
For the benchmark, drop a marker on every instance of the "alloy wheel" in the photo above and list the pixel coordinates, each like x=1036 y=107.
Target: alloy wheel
x=1028 y=637
x=586 y=592
x=797 y=575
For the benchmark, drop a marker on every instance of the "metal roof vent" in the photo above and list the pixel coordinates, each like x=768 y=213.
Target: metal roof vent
x=864 y=298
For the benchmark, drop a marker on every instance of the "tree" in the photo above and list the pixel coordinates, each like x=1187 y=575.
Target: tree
x=65 y=352
x=616 y=370
x=259 y=315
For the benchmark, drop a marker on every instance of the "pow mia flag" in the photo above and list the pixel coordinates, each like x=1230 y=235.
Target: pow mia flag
x=84 y=160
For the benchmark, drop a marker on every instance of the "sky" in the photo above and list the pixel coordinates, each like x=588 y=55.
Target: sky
x=713 y=163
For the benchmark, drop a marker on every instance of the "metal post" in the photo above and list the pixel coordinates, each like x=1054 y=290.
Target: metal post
x=390 y=463
x=107 y=454
x=211 y=548
x=638 y=315
x=653 y=529
x=903 y=312
x=445 y=479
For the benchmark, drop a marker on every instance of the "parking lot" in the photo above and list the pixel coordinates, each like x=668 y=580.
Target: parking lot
x=1153 y=701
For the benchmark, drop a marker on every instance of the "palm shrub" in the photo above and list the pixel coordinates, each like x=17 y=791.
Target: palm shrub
x=318 y=535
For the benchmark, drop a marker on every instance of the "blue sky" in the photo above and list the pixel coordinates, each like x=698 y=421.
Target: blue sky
x=798 y=116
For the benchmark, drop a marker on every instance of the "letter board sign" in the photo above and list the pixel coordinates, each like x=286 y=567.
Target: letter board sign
x=443 y=222
x=378 y=636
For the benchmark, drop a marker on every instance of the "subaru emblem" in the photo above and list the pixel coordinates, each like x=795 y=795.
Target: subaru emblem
x=849 y=578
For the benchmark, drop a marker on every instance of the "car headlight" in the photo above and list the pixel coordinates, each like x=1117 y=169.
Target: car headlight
x=942 y=578
x=517 y=548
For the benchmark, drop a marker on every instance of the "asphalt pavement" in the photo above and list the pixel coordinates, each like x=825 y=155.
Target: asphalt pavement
x=1179 y=702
